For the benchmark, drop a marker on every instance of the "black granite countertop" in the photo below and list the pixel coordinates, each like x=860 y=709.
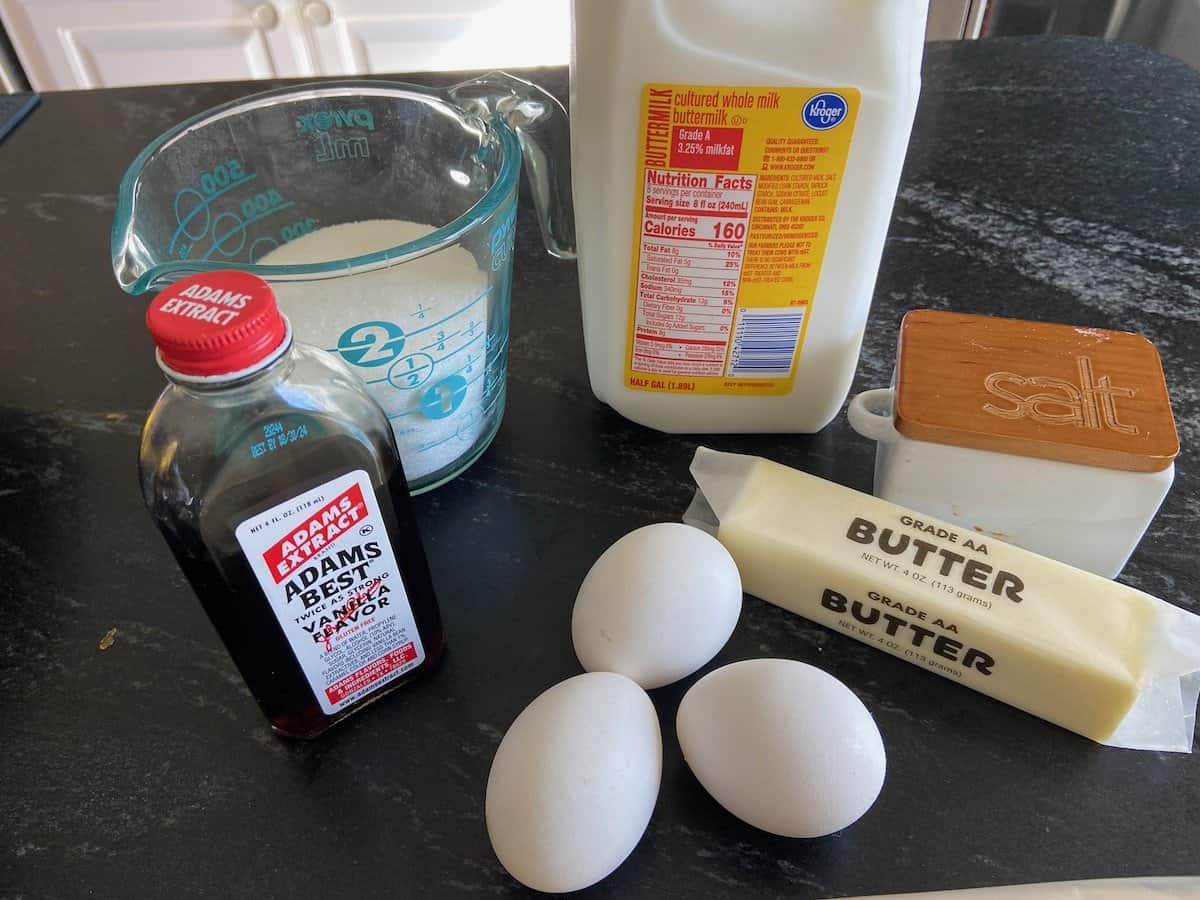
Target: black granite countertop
x=1054 y=179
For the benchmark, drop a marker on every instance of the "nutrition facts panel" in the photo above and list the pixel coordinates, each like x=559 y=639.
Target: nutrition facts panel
x=693 y=241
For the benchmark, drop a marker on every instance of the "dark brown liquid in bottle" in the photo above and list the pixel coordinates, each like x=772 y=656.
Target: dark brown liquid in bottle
x=221 y=575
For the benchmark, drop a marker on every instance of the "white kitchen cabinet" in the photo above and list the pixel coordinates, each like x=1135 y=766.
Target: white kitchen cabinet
x=110 y=43
x=367 y=36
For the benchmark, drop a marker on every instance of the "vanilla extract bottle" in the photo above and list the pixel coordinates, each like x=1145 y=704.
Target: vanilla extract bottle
x=275 y=479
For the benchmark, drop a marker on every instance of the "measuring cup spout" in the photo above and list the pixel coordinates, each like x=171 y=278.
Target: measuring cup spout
x=542 y=127
x=138 y=267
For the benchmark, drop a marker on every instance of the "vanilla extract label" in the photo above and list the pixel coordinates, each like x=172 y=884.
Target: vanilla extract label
x=328 y=570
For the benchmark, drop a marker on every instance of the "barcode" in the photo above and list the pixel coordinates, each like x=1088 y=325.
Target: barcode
x=764 y=342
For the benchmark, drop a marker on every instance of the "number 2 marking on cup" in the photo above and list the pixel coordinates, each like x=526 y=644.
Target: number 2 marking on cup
x=371 y=343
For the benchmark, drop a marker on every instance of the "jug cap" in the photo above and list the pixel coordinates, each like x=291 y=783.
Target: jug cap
x=217 y=325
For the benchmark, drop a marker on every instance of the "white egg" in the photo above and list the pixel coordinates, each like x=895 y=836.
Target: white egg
x=574 y=782
x=657 y=605
x=783 y=746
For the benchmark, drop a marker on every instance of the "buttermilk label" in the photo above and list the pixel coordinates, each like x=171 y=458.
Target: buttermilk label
x=328 y=571
x=736 y=188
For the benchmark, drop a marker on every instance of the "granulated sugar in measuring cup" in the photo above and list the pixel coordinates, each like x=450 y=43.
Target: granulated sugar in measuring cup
x=383 y=216
x=417 y=334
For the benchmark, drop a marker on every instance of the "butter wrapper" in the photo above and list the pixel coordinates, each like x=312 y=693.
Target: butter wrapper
x=1102 y=659
x=1154 y=888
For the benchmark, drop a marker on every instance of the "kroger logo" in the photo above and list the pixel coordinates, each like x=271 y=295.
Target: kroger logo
x=336 y=118
x=824 y=111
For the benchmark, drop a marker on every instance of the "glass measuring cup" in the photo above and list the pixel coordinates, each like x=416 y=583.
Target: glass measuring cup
x=415 y=297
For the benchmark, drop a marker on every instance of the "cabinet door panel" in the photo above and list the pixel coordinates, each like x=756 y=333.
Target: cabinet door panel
x=116 y=55
x=379 y=36
x=110 y=43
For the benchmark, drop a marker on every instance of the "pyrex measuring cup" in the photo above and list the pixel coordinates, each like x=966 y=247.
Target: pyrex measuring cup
x=416 y=297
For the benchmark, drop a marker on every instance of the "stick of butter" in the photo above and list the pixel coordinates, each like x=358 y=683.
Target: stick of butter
x=1097 y=657
x=1152 y=888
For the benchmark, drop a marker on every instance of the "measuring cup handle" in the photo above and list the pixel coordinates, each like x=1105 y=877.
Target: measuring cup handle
x=542 y=128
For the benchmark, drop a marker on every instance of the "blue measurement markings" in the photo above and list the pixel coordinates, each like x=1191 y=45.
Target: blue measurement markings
x=386 y=340
x=226 y=231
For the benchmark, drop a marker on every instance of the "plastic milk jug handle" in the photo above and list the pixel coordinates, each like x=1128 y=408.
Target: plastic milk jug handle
x=542 y=127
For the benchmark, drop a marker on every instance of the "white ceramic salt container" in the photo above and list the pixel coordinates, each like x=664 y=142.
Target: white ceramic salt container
x=1057 y=439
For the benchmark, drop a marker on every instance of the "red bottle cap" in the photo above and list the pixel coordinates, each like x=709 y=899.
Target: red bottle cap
x=216 y=323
